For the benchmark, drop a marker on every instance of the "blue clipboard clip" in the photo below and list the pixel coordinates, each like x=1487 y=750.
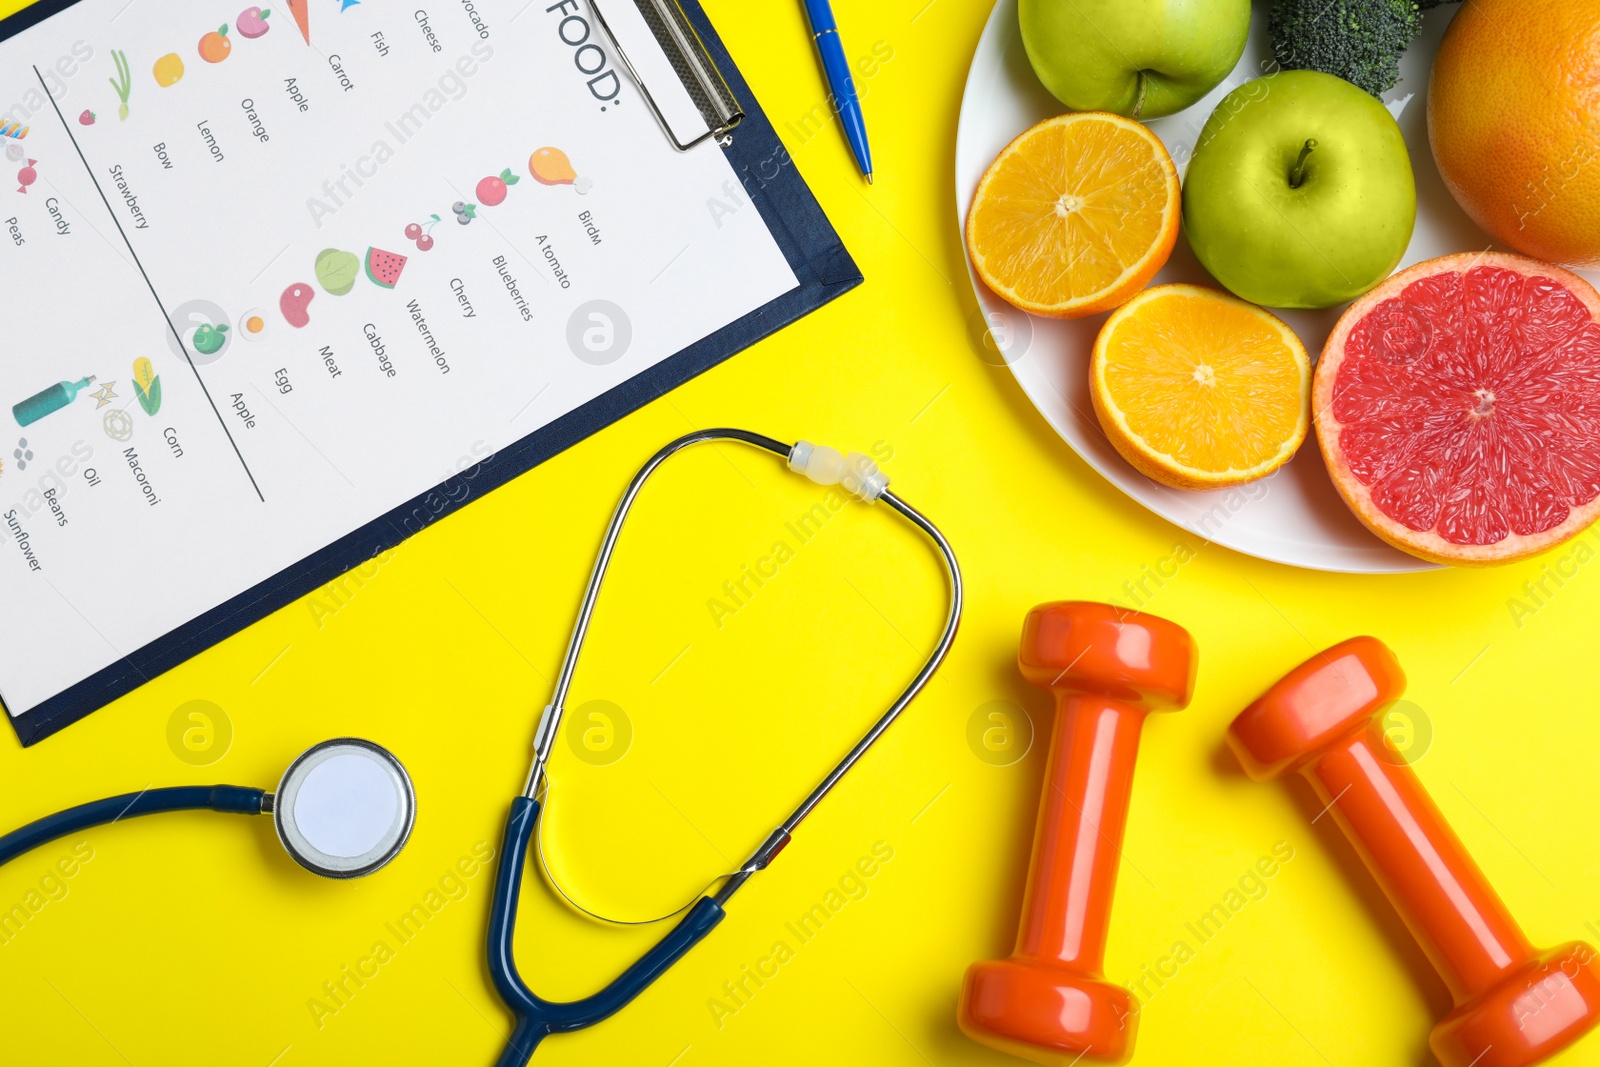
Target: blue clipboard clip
x=692 y=62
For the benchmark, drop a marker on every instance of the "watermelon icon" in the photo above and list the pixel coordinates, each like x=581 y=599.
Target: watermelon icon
x=384 y=268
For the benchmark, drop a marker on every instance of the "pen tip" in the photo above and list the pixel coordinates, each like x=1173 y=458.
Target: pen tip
x=869 y=177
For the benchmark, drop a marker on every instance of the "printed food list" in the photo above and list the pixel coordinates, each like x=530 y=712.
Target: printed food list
x=273 y=271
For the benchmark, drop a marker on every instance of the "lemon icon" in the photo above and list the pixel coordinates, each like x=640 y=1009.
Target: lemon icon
x=168 y=70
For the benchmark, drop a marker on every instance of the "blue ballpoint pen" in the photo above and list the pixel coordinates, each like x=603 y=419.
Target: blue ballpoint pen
x=841 y=85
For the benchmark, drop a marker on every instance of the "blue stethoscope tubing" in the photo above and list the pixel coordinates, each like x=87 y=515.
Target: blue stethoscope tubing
x=339 y=793
x=537 y=1018
x=230 y=799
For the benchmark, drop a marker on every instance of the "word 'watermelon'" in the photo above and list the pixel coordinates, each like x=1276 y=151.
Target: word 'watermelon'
x=384 y=268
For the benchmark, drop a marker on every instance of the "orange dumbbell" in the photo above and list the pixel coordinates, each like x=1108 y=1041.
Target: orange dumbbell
x=1514 y=1005
x=1049 y=1002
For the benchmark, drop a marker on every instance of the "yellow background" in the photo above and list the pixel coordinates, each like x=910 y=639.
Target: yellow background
x=192 y=939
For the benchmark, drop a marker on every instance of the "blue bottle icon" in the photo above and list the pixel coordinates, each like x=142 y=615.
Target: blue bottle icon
x=48 y=401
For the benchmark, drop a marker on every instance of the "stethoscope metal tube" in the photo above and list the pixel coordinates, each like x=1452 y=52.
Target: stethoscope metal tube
x=550 y=721
x=780 y=837
x=537 y=1018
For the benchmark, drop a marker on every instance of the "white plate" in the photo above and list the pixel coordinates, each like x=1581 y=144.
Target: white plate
x=1296 y=516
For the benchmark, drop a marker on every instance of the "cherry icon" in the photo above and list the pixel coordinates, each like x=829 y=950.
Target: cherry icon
x=416 y=232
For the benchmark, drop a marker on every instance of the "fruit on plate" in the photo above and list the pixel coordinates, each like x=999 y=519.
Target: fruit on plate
x=1198 y=389
x=1075 y=215
x=383 y=268
x=1299 y=194
x=1458 y=407
x=1512 y=106
x=1140 y=58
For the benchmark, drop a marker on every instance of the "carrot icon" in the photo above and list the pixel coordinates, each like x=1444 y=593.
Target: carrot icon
x=302 y=17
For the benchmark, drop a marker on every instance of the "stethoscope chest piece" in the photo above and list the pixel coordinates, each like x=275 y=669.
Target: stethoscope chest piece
x=344 y=808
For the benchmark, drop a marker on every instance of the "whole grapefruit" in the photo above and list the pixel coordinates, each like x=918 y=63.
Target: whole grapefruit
x=1458 y=408
x=1514 y=121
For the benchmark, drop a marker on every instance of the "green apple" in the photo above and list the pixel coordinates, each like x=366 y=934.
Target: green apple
x=1299 y=193
x=1140 y=58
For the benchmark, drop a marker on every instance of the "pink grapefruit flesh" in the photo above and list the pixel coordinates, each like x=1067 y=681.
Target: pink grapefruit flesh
x=1458 y=408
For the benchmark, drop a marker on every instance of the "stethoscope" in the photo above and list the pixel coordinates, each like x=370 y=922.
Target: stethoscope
x=346 y=807
x=537 y=1018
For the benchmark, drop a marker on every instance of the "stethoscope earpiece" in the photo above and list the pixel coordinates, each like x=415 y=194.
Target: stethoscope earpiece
x=345 y=808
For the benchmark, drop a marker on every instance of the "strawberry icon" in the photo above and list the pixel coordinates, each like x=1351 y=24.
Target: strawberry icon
x=87 y=118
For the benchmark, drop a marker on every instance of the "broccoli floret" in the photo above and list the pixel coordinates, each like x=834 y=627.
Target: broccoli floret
x=1360 y=41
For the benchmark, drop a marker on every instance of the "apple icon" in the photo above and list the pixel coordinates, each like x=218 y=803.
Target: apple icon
x=252 y=23
x=1139 y=58
x=1299 y=193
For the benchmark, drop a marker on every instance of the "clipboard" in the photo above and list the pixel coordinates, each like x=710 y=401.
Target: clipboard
x=735 y=125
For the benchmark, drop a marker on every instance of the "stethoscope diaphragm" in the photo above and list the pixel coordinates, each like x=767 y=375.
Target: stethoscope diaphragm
x=345 y=808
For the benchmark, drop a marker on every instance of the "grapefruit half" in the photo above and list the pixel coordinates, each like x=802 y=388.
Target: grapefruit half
x=1458 y=408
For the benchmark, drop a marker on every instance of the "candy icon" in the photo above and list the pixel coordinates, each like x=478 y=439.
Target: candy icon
x=27 y=176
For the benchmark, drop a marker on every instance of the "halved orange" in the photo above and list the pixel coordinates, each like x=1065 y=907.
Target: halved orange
x=1075 y=215
x=1198 y=389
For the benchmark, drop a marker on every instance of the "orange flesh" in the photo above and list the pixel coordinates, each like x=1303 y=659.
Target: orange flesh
x=1197 y=388
x=1075 y=215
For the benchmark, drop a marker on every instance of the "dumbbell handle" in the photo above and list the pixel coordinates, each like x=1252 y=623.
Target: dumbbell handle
x=1451 y=909
x=1078 y=841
